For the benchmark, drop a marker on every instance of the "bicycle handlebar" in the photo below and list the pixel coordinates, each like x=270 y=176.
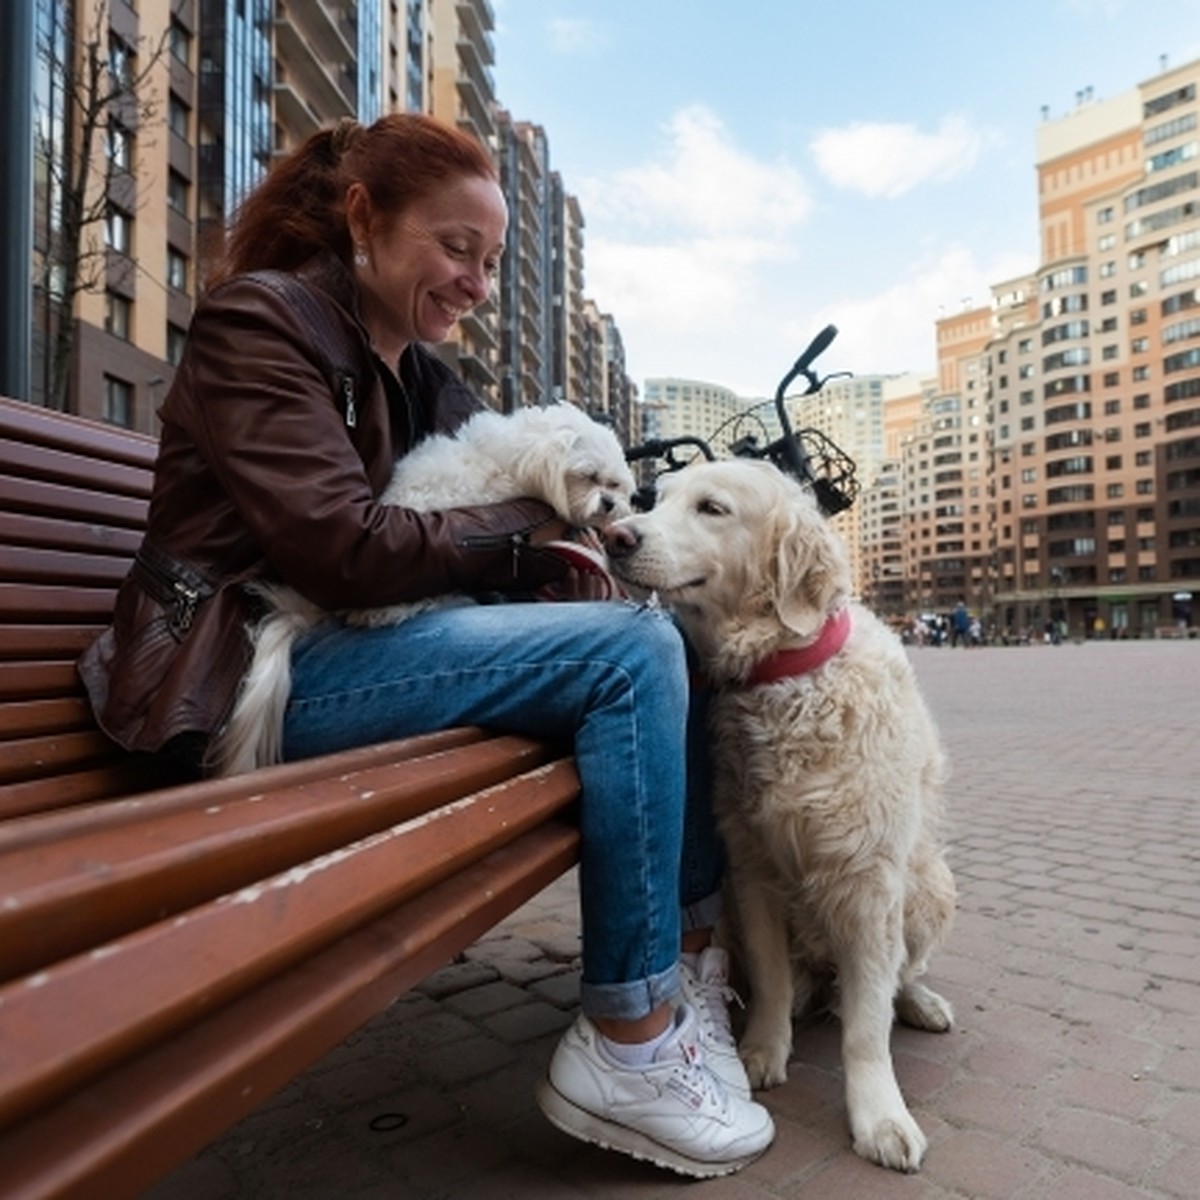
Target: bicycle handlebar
x=835 y=487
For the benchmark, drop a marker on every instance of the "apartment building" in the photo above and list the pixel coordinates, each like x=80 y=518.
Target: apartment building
x=111 y=294
x=211 y=92
x=1095 y=384
x=463 y=93
x=526 y=280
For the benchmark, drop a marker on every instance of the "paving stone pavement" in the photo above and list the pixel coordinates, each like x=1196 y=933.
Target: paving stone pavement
x=1073 y=1072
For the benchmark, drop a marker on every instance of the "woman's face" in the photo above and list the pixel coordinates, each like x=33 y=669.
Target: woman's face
x=431 y=265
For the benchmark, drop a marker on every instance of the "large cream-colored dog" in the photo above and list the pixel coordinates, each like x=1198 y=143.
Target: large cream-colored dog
x=555 y=453
x=829 y=771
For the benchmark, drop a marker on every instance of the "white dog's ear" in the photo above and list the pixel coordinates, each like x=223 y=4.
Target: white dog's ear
x=811 y=574
x=543 y=468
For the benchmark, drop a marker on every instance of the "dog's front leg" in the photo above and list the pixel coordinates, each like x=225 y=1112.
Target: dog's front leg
x=882 y=1128
x=762 y=925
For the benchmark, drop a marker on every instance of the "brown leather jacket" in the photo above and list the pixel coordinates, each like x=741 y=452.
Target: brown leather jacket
x=263 y=472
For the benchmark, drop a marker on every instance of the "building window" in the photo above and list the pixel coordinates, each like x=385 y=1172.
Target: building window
x=118 y=230
x=178 y=191
x=120 y=61
x=178 y=115
x=118 y=402
x=1115 y=491
x=1142 y=429
x=1145 y=487
x=177 y=270
x=180 y=42
x=118 y=314
x=120 y=146
x=176 y=337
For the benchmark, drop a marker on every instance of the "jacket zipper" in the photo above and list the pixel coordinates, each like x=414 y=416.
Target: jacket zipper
x=347 y=385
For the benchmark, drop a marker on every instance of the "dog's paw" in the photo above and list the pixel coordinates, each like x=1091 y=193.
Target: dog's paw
x=895 y=1142
x=766 y=1066
x=918 y=1006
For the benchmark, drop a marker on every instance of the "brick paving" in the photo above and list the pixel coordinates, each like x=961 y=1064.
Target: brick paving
x=1074 y=968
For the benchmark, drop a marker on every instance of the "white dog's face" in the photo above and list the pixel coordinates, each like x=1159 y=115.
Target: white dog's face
x=597 y=483
x=733 y=544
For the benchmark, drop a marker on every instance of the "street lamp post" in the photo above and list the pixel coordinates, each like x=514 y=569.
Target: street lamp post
x=16 y=195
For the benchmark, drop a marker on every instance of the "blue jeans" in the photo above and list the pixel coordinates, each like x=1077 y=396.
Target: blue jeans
x=612 y=676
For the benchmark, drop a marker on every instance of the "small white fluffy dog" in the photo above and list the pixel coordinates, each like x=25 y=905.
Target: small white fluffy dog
x=555 y=453
x=828 y=776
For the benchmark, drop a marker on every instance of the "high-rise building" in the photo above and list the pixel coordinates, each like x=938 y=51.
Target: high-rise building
x=195 y=98
x=526 y=280
x=1095 y=386
x=462 y=93
x=115 y=206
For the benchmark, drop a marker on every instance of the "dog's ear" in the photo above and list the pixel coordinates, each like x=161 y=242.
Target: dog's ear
x=811 y=572
x=543 y=467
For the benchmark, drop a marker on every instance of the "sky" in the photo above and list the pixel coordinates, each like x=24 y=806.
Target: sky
x=751 y=172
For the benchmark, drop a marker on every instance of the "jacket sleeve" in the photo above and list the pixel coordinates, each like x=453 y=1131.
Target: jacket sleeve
x=252 y=397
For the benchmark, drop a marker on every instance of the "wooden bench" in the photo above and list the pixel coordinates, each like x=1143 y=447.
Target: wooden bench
x=170 y=956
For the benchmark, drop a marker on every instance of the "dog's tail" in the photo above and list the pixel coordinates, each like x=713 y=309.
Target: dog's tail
x=253 y=736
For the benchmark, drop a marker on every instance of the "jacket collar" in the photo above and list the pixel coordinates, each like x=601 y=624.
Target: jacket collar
x=784 y=664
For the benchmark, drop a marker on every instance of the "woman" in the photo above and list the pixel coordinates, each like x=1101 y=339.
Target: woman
x=269 y=469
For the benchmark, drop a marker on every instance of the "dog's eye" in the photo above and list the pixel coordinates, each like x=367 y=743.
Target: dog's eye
x=710 y=508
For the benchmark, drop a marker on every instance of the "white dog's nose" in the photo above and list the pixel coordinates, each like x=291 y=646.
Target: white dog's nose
x=620 y=539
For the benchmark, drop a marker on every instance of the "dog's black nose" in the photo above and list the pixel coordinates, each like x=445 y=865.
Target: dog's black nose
x=607 y=503
x=619 y=539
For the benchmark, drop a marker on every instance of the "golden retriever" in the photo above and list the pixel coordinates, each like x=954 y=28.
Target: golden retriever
x=555 y=453
x=828 y=781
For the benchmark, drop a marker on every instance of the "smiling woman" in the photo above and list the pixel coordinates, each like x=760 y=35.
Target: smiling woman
x=419 y=274
x=302 y=381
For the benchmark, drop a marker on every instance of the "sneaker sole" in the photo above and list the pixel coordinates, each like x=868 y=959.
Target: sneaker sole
x=588 y=1127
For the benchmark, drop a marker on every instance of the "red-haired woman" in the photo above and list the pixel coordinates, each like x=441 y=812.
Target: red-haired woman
x=270 y=469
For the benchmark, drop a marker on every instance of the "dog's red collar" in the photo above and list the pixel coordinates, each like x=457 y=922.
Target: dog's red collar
x=784 y=664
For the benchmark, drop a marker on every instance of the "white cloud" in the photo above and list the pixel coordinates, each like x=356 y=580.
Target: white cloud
x=704 y=183
x=575 y=35
x=888 y=158
x=894 y=331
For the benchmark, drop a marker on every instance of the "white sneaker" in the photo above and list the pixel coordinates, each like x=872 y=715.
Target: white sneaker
x=707 y=990
x=675 y=1112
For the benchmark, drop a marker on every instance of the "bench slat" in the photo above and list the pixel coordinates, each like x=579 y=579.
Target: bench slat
x=81 y=891
x=134 y=1125
x=30 y=718
x=158 y=980
x=25 y=602
x=28 y=641
x=48 y=566
x=28 y=529
x=36 y=426
x=26 y=461
x=41 y=827
x=74 y=503
x=122 y=776
x=37 y=757
x=38 y=679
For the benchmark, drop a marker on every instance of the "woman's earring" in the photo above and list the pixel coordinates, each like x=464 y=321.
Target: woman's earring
x=360 y=257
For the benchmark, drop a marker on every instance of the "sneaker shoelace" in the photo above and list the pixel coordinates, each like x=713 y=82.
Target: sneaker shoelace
x=694 y=1083
x=712 y=1000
